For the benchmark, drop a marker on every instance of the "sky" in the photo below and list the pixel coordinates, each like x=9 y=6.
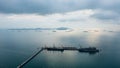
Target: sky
x=104 y=14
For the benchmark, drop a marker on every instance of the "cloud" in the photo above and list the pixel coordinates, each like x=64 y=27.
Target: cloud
x=60 y=13
x=75 y=19
x=106 y=15
x=51 y=20
x=55 y=6
x=76 y=16
x=36 y=6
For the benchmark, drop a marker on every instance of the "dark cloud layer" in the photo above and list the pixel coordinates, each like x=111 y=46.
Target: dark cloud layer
x=106 y=15
x=55 y=6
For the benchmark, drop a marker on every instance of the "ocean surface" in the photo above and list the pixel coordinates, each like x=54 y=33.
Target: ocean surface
x=18 y=45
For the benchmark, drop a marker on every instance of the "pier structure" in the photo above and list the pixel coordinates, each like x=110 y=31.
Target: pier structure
x=30 y=58
x=90 y=50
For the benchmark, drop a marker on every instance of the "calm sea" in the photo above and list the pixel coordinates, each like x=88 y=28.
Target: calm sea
x=16 y=46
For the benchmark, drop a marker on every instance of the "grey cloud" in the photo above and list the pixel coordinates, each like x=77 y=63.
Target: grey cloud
x=106 y=15
x=70 y=20
x=55 y=6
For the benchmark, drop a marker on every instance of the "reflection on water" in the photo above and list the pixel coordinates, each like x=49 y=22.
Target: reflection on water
x=17 y=46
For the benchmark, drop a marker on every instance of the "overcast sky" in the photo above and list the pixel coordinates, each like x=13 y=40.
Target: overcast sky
x=60 y=13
